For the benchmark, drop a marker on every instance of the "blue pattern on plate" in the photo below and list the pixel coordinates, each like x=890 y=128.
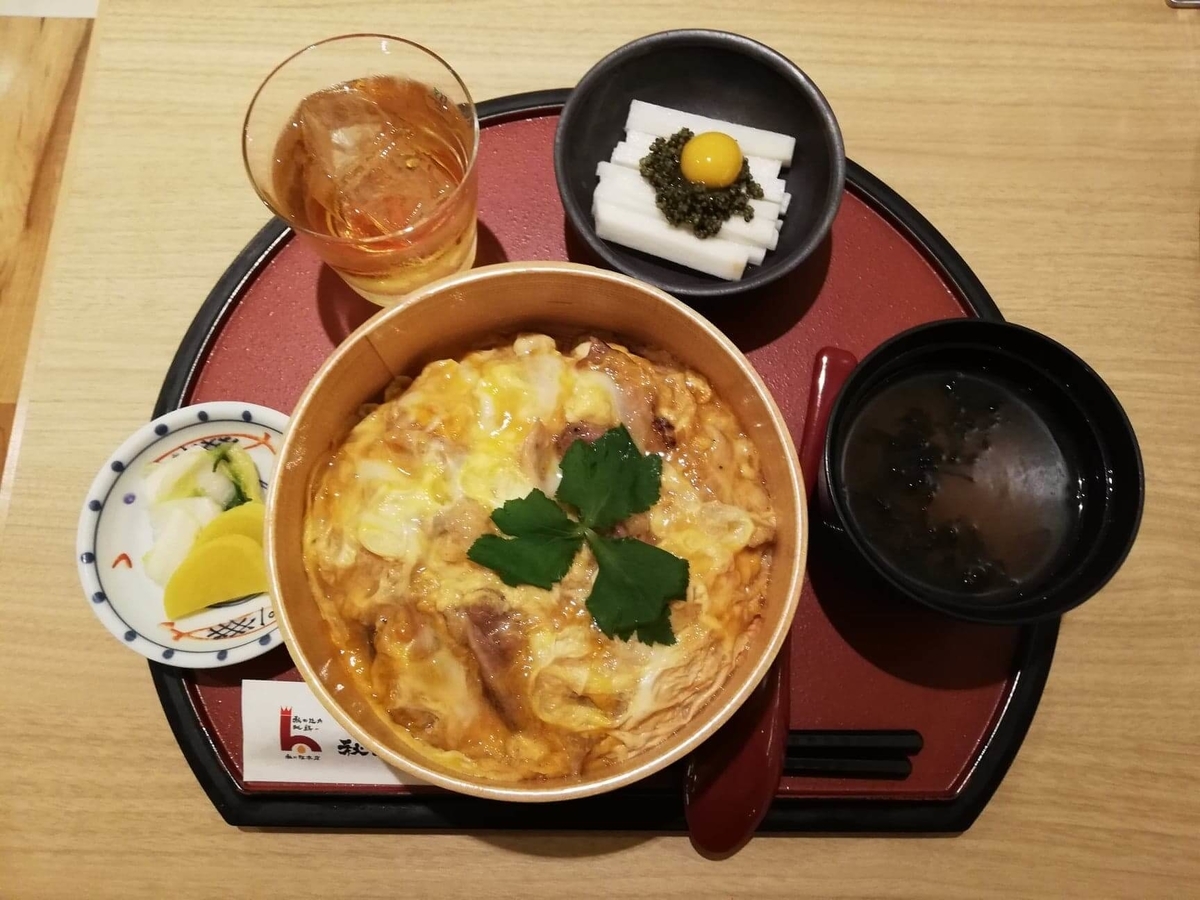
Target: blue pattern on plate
x=118 y=466
x=99 y=597
x=95 y=505
x=130 y=635
x=160 y=429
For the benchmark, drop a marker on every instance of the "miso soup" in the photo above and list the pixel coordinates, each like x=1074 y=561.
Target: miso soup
x=959 y=484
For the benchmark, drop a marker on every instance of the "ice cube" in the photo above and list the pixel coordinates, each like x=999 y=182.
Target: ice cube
x=342 y=125
x=366 y=169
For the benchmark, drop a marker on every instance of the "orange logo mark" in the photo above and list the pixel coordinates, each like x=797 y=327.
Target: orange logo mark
x=298 y=743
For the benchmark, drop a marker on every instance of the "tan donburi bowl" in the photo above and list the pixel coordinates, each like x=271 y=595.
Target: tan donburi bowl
x=447 y=319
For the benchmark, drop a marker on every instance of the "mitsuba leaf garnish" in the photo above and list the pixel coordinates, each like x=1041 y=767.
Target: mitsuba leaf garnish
x=604 y=483
x=544 y=542
x=632 y=589
x=610 y=480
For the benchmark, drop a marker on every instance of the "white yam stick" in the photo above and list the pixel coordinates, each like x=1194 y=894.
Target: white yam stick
x=635 y=205
x=765 y=209
x=723 y=259
x=784 y=202
x=756 y=253
x=773 y=189
x=760 y=167
x=661 y=121
x=755 y=233
x=626 y=155
x=638 y=189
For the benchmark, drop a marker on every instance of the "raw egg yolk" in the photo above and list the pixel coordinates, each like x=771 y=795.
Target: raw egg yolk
x=712 y=159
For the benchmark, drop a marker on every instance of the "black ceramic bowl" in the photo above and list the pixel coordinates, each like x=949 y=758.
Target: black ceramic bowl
x=1041 y=435
x=720 y=75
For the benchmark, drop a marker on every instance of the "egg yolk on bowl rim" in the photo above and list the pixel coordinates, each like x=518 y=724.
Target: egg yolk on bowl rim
x=712 y=159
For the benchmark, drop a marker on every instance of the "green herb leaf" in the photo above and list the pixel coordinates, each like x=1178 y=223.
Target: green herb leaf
x=657 y=632
x=634 y=587
x=535 y=515
x=532 y=560
x=609 y=480
x=543 y=546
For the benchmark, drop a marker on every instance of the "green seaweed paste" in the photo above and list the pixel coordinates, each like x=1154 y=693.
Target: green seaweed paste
x=684 y=203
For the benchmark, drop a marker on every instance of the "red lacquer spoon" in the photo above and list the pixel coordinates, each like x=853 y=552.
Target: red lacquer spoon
x=732 y=778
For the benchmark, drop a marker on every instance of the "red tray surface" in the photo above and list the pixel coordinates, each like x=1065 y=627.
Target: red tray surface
x=855 y=664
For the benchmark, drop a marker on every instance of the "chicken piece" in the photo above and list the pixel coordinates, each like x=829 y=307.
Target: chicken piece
x=455 y=528
x=539 y=460
x=493 y=636
x=424 y=678
x=636 y=387
x=665 y=431
x=588 y=432
x=636 y=526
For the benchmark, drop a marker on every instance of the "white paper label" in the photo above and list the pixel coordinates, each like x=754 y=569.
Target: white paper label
x=288 y=736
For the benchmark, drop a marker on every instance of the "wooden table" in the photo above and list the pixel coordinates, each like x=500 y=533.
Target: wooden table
x=1056 y=144
x=41 y=66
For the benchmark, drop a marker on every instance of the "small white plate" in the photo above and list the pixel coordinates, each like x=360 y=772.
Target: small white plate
x=114 y=534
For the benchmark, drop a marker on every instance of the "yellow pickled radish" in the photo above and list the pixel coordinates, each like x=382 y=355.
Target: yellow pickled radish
x=220 y=569
x=246 y=520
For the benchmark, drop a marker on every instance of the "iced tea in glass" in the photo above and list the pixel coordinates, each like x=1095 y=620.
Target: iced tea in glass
x=365 y=144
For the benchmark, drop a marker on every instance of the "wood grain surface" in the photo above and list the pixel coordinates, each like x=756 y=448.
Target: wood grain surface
x=1056 y=145
x=41 y=65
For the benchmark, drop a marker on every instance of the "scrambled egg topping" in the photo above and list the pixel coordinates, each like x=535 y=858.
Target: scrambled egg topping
x=515 y=683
